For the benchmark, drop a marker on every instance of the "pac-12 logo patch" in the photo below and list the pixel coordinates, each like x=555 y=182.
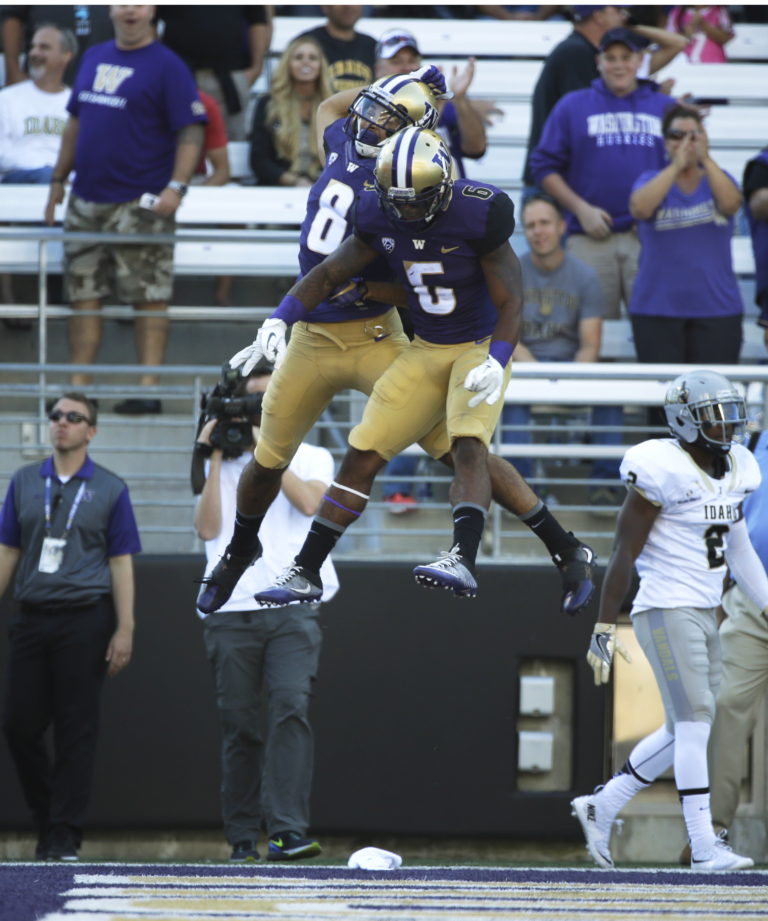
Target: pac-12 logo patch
x=388 y=243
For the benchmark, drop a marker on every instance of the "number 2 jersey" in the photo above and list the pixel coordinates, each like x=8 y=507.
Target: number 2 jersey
x=328 y=221
x=683 y=561
x=439 y=266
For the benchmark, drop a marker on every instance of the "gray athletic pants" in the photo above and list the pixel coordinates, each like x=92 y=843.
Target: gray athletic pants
x=744 y=642
x=684 y=652
x=264 y=663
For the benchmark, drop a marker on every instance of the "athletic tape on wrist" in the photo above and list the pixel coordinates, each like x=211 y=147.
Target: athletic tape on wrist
x=290 y=310
x=501 y=351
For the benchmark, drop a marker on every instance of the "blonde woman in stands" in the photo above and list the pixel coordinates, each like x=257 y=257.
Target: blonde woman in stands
x=283 y=141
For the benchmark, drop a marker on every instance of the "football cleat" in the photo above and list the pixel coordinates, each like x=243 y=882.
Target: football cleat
x=295 y=584
x=450 y=572
x=596 y=828
x=721 y=857
x=575 y=565
x=217 y=587
x=290 y=845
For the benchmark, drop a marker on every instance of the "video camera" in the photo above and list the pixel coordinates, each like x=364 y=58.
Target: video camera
x=234 y=412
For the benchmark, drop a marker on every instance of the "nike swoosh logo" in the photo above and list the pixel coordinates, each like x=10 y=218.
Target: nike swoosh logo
x=304 y=590
x=448 y=249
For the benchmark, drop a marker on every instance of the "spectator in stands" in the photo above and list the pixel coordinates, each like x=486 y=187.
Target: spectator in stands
x=571 y=65
x=351 y=55
x=755 y=184
x=595 y=143
x=685 y=304
x=461 y=125
x=284 y=138
x=264 y=661
x=89 y=24
x=744 y=647
x=708 y=30
x=33 y=112
x=562 y=321
x=135 y=128
x=68 y=531
x=32 y=118
x=226 y=47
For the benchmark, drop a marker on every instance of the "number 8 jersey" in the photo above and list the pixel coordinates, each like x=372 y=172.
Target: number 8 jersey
x=683 y=561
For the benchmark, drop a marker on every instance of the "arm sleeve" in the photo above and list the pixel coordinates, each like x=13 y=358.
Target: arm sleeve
x=122 y=533
x=265 y=164
x=745 y=565
x=10 y=531
x=499 y=227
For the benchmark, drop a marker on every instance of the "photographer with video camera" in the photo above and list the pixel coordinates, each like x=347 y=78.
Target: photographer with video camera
x=264 y=660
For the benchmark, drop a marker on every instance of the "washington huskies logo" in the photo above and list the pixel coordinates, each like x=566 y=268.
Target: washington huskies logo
x=109 y=77
x=388 y=243
x=443 y=159
x=332 y=158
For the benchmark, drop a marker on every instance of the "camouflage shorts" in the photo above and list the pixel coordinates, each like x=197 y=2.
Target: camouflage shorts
x=132 y=273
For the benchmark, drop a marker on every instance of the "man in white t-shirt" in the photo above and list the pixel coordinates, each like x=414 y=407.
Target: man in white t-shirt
x=264 y=659
x=33 y=113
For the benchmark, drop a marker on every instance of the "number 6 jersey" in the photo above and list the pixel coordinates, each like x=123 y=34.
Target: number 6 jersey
x=683 y=561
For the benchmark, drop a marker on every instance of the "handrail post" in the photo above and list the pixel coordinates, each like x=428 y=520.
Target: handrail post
x=42 y=333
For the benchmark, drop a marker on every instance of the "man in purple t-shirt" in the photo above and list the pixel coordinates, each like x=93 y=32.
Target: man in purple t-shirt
x=134 y=138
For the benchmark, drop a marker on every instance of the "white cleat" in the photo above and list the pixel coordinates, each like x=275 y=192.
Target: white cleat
x=597 y=831
x=721 y=857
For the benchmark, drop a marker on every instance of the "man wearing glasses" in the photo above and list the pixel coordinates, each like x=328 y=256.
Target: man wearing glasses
x=68 y=531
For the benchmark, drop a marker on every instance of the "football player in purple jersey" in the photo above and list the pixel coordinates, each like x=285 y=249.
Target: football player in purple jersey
x=349 y=347
x=463 y=292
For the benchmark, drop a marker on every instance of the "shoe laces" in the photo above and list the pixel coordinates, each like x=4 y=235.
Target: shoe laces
x=449 y=559
x=291 y=572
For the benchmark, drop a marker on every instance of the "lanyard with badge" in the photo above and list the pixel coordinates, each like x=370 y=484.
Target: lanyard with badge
x=52 y=552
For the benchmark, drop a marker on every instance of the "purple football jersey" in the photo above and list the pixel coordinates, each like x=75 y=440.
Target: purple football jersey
x=440 y=266
x=328 y=221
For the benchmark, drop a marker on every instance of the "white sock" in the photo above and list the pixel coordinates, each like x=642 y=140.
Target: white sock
x=698 y=821
x=653 y=755
x=692 y=781
x=618 y=792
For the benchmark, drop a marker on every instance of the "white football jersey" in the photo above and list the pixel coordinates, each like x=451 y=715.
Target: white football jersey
x=683 y=561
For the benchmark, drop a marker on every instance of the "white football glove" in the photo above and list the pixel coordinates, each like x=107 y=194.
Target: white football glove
x=269 y=343
x=487 y=381
x=603 y=644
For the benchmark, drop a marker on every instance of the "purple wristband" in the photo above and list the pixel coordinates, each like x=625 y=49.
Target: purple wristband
x=501 y=351
x=290 y=310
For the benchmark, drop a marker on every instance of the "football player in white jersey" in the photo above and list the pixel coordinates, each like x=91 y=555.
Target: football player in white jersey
x=681 y=525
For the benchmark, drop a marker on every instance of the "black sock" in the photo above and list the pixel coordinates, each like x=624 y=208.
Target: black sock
x=468 y=524
x=318 y=544
x=548 y=529
x=245 y=538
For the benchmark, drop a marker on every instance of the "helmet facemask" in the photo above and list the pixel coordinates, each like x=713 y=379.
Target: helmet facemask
x=386 y=107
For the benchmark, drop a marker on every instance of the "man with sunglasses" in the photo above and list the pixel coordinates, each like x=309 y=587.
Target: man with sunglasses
x=68 y=532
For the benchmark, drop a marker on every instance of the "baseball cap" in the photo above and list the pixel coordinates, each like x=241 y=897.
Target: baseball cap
x=395 y=40
x=623 y=36
x=580 y=13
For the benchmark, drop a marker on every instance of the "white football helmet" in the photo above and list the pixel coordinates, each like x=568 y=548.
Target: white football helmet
x=387 y=106
x=414 y=176
x=705 y=398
